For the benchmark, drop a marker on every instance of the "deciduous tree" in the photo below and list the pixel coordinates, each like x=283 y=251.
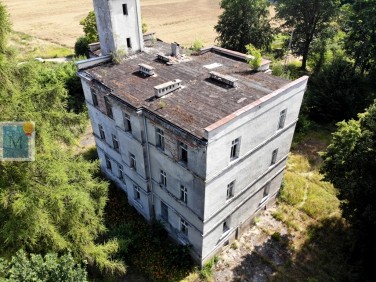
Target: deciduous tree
x=360 y=42
x=307 y=19
x=244 y=22
x=350 y=164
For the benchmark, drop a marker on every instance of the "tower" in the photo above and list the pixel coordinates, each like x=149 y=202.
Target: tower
x=119 y=25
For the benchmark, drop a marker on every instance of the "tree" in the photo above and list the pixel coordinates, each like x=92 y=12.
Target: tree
x=337 y=92
x=360 y=42
x=255 y=62
x=55 y=203
x=307 y=19
x=350 y=164
x=244 y=22
x=90 y=27
x=48 y=268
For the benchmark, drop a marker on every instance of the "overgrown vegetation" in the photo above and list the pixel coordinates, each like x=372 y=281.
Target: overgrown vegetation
x=54 y=204
x=145 y=247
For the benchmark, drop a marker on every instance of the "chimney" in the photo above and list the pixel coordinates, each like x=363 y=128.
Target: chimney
x=119 y=26
x=175 y=49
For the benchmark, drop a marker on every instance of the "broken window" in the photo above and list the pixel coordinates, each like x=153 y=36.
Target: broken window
x=230 y=188
x=164 y=211
x=129 y=43
x=101 y=132
x=127 y=122
x=120 y=167
x=108 y=163
x=132 y=159
x=274 y=157
x=108 y=109
x=160 y=138
x=115 y=142
x=136 y=191
x=183 y=152
x=235 y=146
x=95 y=99
x=282 y=118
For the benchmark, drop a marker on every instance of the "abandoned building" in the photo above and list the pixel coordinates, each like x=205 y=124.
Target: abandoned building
x=199 y=142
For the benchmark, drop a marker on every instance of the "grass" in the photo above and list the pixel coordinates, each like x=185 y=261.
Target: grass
x=29 y=47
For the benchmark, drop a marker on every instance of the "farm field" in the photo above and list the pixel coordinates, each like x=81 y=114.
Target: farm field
x=173 y=20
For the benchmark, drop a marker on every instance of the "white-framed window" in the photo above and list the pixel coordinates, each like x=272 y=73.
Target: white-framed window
x=115 y=142
x=164 y=211
x=108 y=163
x=183 y=194
x=109 y=109
x=230 y=190
x=136 y=192
x=127 y=122
x=125 y=9
x=184 y=227
x=101 y=132
x=120 y=172
x=160 y=138
x=282 y=119
x=163 y=178
x=274 y=157
x=95 y=99
x=235 y=146
x=132 y=161
x=183 y=152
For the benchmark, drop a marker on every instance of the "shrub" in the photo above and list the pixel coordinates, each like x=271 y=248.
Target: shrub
x=81 y=47
x=197 y=45
x=35 y=267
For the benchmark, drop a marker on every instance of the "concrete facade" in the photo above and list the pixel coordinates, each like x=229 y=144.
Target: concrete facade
x=203 y=159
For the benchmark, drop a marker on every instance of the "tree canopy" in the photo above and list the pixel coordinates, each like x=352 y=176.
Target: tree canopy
x=350 y=164
x=307 y=19
x=243 y=22
x=55 y=203
x=360 y=28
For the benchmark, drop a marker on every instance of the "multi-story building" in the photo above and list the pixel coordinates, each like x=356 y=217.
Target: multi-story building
x=199 y=142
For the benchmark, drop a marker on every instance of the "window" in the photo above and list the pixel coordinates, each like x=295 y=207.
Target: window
x=108 y=109
x=266 y=190
x=163 y=178
x=160 y=138
x=101 y=132
x=183 y=227
x=235 y=145
x=230 y=190
x=120 y=171
x=129 y=43
x=127 y=123
x=282 y=118
x=183 y=194
x=136 y=191
x=108 y=163
x=225 y=227
x=125 y=9
x=274 y=157
x=115 y=142
x=95 y=99
x=164 y=211
x=132 y=160
x=183 y=152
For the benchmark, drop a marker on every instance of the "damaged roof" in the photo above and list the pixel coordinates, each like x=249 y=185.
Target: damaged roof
x=201 y=100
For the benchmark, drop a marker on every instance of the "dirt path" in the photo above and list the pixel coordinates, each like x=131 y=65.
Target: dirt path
x=258 y=254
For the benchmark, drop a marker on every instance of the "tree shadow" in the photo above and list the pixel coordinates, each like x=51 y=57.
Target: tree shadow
x=322 y=256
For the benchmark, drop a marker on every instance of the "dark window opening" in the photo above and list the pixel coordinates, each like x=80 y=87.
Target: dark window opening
x=125 y=9
x=129 y=43
x=95 y=99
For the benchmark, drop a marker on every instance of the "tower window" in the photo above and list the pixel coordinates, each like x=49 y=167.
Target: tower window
x=129 y=43
x=125 y=9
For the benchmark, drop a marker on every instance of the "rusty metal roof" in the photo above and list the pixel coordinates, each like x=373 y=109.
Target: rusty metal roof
x=200 y=101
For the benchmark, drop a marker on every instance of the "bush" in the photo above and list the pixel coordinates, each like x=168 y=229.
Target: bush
x=35 y=267
x=81 y=47
x=197 y=45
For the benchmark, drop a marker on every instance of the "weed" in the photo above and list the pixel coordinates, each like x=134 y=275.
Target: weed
x=234 y=245
x=276 y=236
